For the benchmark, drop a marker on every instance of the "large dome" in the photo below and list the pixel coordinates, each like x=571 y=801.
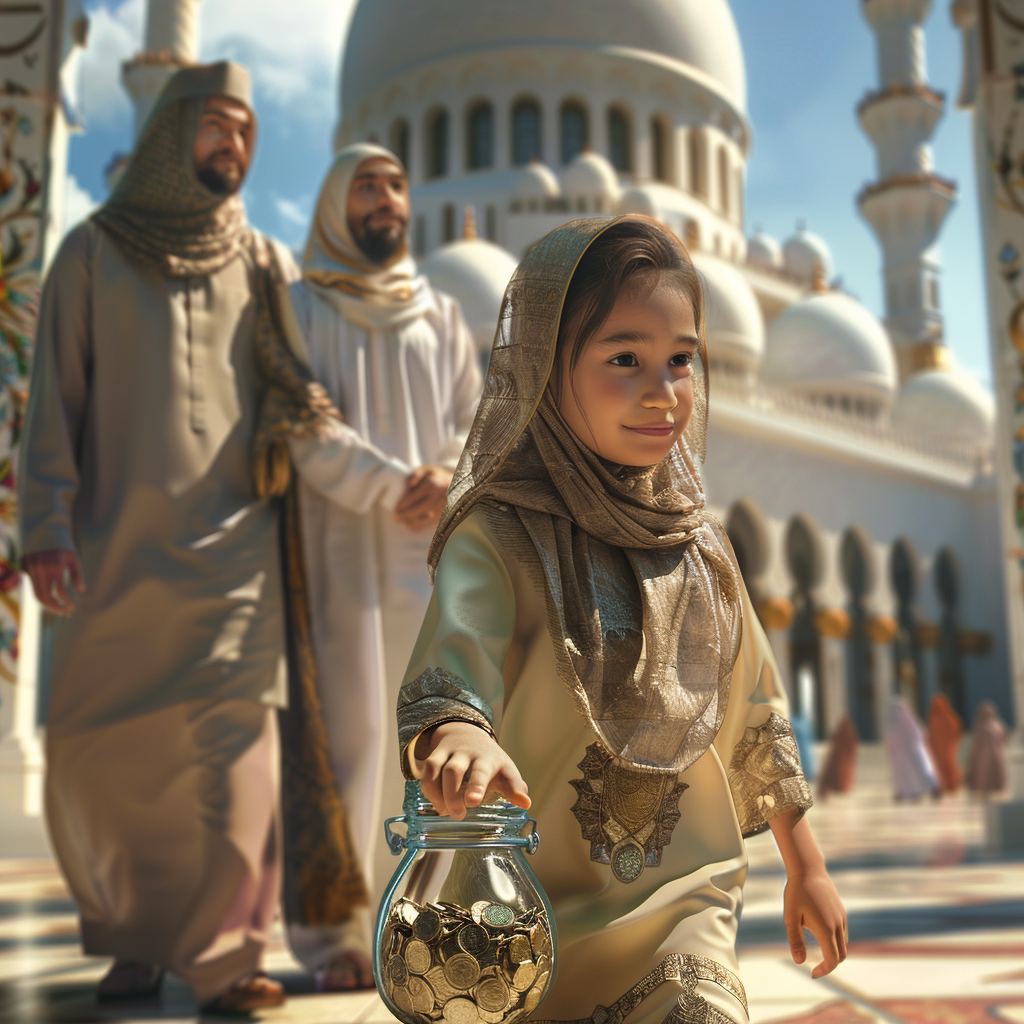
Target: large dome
x=734 y=326
x=389 y=37
x=831 y=346
x=949 y=407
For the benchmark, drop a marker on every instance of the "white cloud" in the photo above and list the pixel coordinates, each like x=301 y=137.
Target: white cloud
x=115 y=35
x=292 y=212
x=78 y=203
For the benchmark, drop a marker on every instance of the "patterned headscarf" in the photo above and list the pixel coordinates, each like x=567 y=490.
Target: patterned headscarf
x=159 y=211
x=641 y=585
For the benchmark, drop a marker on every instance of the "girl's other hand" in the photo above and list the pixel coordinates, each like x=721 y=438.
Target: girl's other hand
x=457 y=765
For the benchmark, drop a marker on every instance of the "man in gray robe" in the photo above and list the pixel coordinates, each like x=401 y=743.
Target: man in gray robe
x=141 y=523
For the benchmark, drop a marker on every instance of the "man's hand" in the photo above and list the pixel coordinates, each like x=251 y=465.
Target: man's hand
x=53 y=574
x=457 y=752
x=426 y=492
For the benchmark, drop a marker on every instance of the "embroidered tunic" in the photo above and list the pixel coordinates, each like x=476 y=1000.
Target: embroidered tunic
x=667 y=940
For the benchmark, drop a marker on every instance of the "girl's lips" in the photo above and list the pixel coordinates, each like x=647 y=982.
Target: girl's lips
x=655 y=431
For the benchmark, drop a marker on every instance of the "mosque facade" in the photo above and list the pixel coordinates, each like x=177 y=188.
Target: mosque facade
x=849 y=457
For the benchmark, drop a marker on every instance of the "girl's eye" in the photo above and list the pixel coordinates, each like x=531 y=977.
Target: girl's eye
x=682 y=359
x=626 y=359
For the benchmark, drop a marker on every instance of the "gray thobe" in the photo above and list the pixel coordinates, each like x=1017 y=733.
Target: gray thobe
x=160 y=733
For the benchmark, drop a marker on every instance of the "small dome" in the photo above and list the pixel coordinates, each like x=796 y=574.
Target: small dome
x=830 y=345
x=764 y=252
x=638 y=200
x=948 y=406
x=590 y=175
x=535 y=181
x=734 y=326
x=476 y=273
x=803 y=254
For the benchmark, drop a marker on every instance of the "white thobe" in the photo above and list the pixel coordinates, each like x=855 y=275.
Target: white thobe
x=408 y=394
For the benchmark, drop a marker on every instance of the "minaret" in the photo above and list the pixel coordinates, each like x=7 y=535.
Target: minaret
x=908 y=202
x=171 y=42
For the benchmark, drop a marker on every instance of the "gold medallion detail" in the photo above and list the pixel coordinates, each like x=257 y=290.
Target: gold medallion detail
x=627 y=814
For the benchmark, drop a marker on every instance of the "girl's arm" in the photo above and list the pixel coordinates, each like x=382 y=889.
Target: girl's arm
x=811 y=900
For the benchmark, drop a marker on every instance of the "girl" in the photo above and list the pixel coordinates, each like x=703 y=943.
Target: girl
x=582 y=592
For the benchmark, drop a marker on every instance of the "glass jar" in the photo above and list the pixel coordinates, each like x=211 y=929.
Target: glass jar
x=465 y=932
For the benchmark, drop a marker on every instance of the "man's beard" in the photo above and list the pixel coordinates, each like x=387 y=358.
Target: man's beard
x=218 y=183
x=380 y=244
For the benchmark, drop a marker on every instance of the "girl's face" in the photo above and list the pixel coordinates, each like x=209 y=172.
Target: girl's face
x=631 y=394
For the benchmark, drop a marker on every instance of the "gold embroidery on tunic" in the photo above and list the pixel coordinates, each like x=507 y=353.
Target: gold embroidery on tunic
x=628 y=815
x=685 y=969
x=765 y=775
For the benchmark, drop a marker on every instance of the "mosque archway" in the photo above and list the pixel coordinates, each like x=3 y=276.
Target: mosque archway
x=857 y=556
x=697 y=157
x=948 y=576
x=574 y=130
x=806 y=560
x=437 y=143
x=620 y=139
x=480 y=136
x=526 y=131
x=398 y=140
x=748 y=535
x=905 y=575
x=662 y=164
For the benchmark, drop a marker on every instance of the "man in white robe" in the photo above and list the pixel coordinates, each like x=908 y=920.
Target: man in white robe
x=399 y=362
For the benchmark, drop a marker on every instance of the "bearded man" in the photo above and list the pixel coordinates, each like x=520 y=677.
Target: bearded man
x=141 y=523
x=398 y=360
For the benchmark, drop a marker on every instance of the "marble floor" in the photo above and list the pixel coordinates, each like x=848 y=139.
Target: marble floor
x=936 y=928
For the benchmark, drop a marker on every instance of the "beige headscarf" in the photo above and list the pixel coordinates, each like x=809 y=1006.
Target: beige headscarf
x=160 y=212
x=375 y=295
x=641 y=584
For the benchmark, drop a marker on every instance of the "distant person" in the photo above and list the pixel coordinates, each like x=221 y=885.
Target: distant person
x=840 y=768
x=945 y=731
x=141 y=522
x=987 y=764
x=913 y=772
x=399 y=362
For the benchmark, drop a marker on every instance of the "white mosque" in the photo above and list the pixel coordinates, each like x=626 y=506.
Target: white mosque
x=849 y=457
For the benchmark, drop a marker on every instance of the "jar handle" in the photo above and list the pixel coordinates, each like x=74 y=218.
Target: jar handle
x=396 y=843
x=533 y=839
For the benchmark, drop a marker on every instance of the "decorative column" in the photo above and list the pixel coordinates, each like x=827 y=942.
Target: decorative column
x=881 y=630
x=42 y=42
x=171 y=42
x=993 y=84
x=908 y=202
x=776 y=615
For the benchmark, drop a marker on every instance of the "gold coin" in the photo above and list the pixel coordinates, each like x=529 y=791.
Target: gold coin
x=491 y=994
x=427 y=924
x=462 y=971
x=460 y=1011
x=497 y=1017
x=541 y=982
x=406 y=911
x=437 y=981
x=398 y=972
x=533 y=998
x=497 y=915
x=422 y=996
x=519 y=949
x=473 y=939
x=477 y=909
x=402 y=999
x=417 y=956
x=524 y=977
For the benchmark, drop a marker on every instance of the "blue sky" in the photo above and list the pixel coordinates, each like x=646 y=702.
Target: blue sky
x=808 y=64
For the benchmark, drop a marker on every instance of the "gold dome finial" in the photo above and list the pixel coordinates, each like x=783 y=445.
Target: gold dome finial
x=818 y=282
x=469 y=222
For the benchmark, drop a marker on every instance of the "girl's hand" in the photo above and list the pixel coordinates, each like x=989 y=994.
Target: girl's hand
x=454 y=753
x=811 y=902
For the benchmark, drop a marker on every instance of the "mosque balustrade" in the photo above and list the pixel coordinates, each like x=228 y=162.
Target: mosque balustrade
x=778 y=403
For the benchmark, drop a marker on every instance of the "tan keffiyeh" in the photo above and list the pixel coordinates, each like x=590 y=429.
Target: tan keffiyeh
x=641 y=584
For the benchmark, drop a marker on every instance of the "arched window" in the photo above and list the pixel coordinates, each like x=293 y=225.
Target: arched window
x=620 y=142
x=723 y=181
x=805 y=558
x=574 y=134
x=480 y=136
x=448 y=222
x=697 y=151
x=398 y=138
x=437 y=144
x=661 y=152
x=525 y=131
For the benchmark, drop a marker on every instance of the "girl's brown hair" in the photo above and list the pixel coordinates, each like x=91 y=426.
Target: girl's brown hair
x=625 y=250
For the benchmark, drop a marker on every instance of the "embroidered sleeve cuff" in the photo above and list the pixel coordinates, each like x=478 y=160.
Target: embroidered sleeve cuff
x=766 y=777
x=433 y=698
